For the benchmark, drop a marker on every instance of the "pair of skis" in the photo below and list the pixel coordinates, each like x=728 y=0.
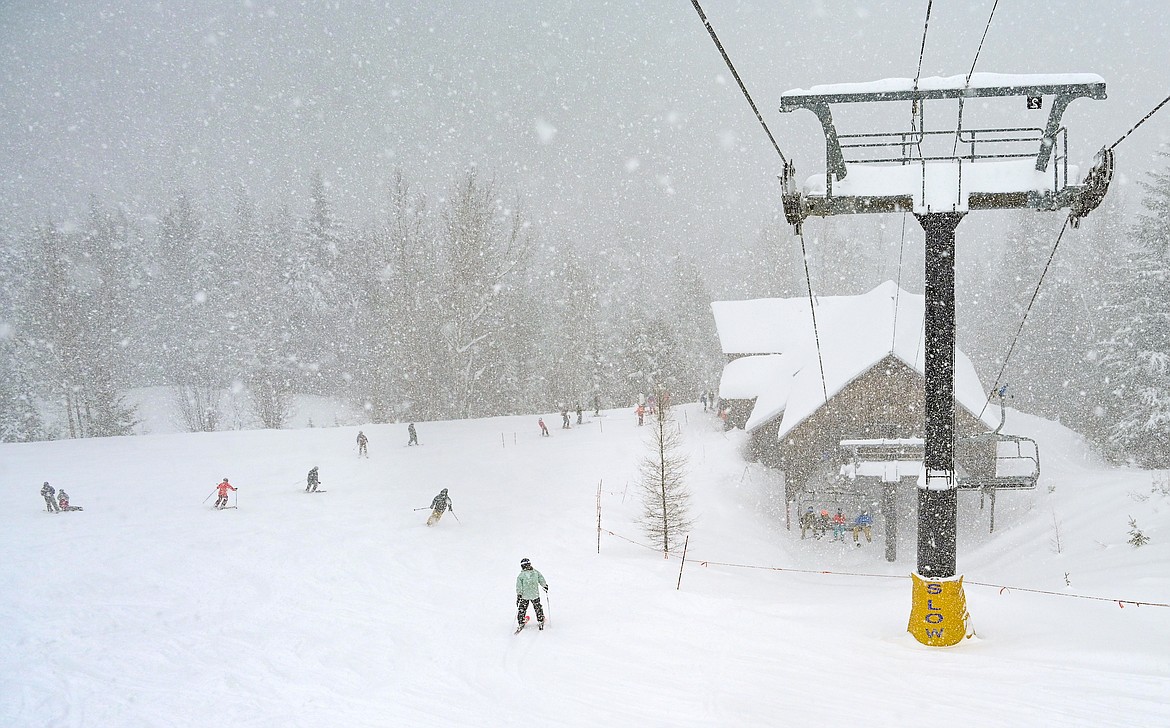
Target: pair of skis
x=539 y=626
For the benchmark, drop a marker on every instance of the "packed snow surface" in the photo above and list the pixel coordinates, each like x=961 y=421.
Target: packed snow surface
x=149 y=608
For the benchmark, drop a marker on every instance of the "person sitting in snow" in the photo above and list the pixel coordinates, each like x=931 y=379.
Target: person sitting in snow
x=47 y=492
x=529 y=582
x=222 y=489
x=808 y=522
x=863 y=522
x=440 y=505
x=314 y=480
x=839 y=526
x=63 y=501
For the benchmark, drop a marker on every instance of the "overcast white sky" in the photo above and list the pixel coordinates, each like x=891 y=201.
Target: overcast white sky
x=614 y=120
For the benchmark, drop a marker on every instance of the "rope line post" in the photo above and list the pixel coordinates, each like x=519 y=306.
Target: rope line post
x=682 y=562
x=599 y=516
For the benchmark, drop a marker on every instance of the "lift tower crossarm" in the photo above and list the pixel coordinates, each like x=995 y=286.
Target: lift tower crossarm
x=1065 y=87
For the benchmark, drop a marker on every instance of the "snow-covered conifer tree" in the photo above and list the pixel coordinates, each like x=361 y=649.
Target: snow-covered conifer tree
x=665 y=500
x=1136 y=357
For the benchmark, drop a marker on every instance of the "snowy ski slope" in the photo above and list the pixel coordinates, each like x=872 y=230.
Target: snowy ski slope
x=344 y=609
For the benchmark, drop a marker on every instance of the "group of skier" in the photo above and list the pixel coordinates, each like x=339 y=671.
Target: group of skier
x=529 y=582
x=363 y=442
x=56 y=501
x=821 y=523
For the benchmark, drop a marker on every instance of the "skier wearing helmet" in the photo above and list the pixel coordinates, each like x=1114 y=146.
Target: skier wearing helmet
x=440 y=505
x=529 y=582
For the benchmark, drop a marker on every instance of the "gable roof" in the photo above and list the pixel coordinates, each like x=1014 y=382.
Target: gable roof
x=777 y=350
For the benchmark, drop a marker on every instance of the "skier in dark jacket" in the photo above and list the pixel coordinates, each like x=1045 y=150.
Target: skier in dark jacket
x=822 y=524
x=314 y=480
x=362 y=442
x=48 y=492
x=413 y=435
x=529 y=582
x=440 y=505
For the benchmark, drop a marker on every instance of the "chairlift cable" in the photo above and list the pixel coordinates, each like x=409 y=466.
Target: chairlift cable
x=1143 y=120
x=971 y=73
x=917 y=74
x=812 y=307
x=1016 y=338
x=922 y=49
x=742 y=87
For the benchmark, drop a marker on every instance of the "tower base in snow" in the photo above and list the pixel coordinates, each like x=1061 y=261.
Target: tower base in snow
x=938 y=616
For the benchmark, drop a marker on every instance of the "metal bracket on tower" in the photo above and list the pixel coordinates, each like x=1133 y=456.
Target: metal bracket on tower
x=1094 y=188
x=791 y=197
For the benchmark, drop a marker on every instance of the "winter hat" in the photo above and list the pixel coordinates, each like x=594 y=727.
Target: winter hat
x=525 y=564
x=444 y=490
x=824 y=512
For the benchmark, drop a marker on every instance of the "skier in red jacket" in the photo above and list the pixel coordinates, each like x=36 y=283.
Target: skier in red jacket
x=223 y=488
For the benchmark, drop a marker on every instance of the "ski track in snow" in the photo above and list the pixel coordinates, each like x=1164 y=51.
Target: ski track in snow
x=344 y=609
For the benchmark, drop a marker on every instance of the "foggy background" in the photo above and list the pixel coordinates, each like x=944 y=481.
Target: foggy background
x=612 y=129
x=612 y=119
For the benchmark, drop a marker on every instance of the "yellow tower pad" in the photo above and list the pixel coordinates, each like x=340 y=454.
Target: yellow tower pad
x=938 y=617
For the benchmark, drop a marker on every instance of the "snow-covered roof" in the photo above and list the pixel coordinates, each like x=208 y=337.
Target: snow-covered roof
x=950 y=83
x=938 y=185
x=856 y=332
x=754 y=377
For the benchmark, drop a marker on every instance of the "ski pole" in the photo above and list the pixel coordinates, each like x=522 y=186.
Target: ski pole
x=456 y=517
x=209 y=495
x=427 y=508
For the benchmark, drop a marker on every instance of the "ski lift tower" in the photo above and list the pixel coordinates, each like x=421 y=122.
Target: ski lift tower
x=940 y=175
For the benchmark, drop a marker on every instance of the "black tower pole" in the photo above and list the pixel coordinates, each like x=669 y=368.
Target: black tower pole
x=937 y=503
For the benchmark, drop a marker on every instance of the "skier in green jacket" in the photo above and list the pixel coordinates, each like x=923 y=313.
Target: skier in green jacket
x=529 y=582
